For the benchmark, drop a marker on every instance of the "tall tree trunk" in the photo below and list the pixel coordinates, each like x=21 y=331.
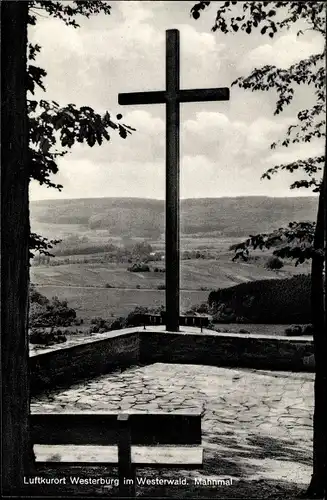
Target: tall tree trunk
x=14 y=258
x=317 y=488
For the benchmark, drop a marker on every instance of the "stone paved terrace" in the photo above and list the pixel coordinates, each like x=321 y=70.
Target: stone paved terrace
x=257 y=425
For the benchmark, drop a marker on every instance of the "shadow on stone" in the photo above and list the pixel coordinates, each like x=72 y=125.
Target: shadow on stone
x=233 y=462
x=260 y=447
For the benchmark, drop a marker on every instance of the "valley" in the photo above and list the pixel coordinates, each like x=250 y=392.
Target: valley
x=90 y=269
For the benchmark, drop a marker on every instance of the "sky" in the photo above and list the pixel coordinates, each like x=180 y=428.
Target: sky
x=225 y=146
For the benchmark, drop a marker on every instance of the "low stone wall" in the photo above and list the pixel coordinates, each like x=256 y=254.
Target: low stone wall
x=64 y=364
x=228 y=349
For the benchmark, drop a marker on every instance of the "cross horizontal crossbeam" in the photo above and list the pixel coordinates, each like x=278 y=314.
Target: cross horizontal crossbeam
x=161 y=96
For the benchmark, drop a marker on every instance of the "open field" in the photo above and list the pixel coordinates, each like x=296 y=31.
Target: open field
x=103 y=236
x=110 y=303
x=84 y=285
x=196 y=274
x=96 y=287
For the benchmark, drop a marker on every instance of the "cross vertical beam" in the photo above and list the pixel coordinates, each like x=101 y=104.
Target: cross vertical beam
x=172 y=181
x=172 y=96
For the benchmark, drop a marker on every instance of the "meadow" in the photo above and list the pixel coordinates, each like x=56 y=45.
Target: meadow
x=110 y=290
x=196 y=274
x=97 y=285
x=112 y=303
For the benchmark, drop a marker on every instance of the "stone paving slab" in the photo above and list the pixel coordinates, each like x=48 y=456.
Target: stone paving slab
x=256 y=424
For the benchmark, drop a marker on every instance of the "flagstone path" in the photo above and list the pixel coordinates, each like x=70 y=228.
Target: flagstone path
x=256 y=424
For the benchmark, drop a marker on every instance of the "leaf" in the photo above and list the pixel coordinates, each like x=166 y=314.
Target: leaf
x=112 y=124
x=122 y=132
x=45 y=145
x=64 y=141
x=69 y=114
x=70 y=141
x=99 y=138
x=105 y=134
x=91 y=139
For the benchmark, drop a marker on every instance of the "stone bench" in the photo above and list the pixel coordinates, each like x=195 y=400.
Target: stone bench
x=184 y=320
x=127 y=441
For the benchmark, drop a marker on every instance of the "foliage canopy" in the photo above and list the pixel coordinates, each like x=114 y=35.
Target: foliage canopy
x=55 y=128
x=271 y=18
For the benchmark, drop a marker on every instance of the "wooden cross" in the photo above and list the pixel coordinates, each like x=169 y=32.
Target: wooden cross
x=172 y=96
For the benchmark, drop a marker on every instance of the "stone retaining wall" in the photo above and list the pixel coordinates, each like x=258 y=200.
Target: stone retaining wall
x=76 y=360
x=261 y=352
x=70 y=362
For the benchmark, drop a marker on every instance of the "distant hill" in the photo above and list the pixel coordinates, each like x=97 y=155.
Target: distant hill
x=138 y=217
